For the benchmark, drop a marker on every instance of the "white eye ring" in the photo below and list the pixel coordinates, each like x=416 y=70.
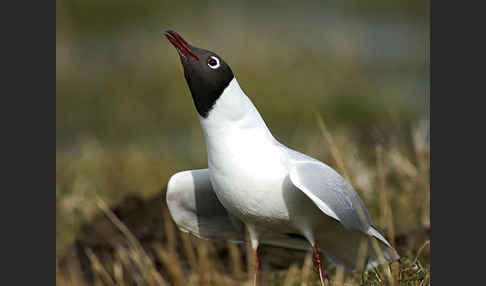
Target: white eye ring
x=213 y=66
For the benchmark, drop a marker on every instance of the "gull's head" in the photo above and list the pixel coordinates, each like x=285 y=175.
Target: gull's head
x=206 y=73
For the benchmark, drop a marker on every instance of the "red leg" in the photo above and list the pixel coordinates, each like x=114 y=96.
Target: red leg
x=256 y=265
x=318 y=264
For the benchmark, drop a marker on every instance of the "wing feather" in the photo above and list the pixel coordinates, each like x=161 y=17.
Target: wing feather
x=195 y=208
x=331 y=193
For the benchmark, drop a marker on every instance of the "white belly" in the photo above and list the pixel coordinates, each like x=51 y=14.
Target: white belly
x=251 y=185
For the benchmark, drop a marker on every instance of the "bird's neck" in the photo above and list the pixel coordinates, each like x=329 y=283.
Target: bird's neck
x=234 y=114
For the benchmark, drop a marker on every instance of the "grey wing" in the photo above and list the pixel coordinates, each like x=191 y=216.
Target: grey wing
x=331 y=193
x=195 y=208
x=337 y=199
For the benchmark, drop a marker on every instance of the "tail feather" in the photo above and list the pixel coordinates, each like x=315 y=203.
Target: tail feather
x=388 y=254
x=342 y=247
x=345 y=248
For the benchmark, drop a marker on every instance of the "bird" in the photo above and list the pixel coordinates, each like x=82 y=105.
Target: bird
x=256 y=185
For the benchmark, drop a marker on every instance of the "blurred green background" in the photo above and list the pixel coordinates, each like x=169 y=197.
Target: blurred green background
x=125 y=121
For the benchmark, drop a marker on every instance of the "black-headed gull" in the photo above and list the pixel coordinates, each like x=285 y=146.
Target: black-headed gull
x=282 y=197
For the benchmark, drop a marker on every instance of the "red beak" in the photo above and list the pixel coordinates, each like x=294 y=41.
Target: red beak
x=179 y=43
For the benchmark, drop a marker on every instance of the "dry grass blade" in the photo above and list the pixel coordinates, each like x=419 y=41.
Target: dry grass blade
x=170 y=231
x=426 y=182
x=395 y=270
x=420 y=251
x=235 y=255
x=118 y=273
x=386 y=211
x=339 y=277
x=139 y=255
x=205 y=263
x=381 y=257
x=306 y=270
x=189 y=250
x=332 y=146
x=72 y=275
x=363 y=249
x=402 y=164
x=292 y=275
x=172 y=264
x=98 y=268
x=121 y=255
x=220 y=279
x=426 y=205
x=426 y=280
x=422 y=152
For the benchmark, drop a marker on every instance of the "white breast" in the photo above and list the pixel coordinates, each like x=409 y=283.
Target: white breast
x=245 y=163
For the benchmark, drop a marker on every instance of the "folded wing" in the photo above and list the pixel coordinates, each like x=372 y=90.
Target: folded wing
x=331 y=193
x=195 y=208
x=337 y=199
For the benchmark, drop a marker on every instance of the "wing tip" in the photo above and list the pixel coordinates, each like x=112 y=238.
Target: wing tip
x=388 y=252
x=376 y=234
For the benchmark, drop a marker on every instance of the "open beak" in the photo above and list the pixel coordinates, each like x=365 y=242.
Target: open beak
x=180 y=44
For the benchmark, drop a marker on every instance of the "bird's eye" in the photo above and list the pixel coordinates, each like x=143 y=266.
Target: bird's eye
x=213 y=62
